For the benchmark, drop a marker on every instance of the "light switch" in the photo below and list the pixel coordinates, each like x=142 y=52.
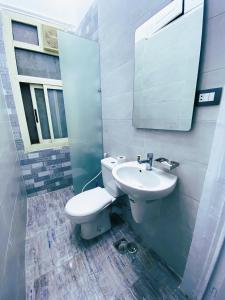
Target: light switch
x=211 y=96
x=204 y=97
x=208 y=97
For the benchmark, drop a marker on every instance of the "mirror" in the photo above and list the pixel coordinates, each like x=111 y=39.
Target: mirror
x=166 y=70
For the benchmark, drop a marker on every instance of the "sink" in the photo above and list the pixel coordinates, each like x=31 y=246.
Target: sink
x=143 y=186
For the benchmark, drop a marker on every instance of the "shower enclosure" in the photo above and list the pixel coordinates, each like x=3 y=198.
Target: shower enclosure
x=80 y=69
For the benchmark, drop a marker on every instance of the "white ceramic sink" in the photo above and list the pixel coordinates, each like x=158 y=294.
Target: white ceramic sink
x=141 y=185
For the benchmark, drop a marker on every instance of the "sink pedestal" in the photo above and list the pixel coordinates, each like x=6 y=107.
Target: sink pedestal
x=144 y=187
x=143 y=209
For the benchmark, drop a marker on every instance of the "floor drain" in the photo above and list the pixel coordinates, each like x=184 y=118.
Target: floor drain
x=121 y=246
x=132 y=248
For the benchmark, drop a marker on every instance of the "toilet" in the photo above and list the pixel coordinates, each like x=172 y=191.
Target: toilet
x=90 y=209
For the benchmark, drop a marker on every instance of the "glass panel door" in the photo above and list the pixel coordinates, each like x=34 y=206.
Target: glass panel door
x=80 y=69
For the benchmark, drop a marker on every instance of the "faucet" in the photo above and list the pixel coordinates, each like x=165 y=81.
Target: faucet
x=148 y=161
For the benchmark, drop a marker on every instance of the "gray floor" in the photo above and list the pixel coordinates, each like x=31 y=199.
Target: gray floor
x=59 y=265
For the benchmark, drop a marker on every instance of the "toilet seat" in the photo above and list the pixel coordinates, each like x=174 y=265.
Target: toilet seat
x=88 y=203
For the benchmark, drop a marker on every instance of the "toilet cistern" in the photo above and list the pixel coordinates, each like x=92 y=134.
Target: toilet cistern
x=147 y=161
x=90 y=209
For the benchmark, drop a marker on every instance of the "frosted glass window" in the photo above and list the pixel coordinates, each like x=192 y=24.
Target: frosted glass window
x=31 y=63
x=56 y=104
x=25 y=33
x=42 y=112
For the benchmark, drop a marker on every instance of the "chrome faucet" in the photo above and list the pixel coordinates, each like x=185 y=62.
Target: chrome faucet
x=147 y=161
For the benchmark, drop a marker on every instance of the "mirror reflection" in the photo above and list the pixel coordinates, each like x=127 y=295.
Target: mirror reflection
x=166 y=70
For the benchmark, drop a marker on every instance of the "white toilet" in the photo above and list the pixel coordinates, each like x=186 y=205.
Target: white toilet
x=91 y=208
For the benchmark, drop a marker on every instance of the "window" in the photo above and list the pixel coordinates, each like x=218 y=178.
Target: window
x=29 y=113
x=45 y=113
x=31 y=63
x=58 y=116
x=36 y=82
x=25 y=33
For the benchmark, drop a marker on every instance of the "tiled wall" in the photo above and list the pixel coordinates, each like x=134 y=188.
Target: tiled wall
x=45 y=170
x=209 y=223
x=12 y=203
x=88 y=27
x=169 y=229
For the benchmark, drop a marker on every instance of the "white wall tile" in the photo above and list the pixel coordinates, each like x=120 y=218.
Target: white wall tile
x=213 y=44
x=191 y=4
x=215 y=7
x=117 y=24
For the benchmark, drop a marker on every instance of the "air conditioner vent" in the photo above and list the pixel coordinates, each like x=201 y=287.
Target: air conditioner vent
x=50 y=42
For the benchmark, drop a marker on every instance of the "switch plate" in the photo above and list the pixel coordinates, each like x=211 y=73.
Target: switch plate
x=203 y=97
x=208 y=97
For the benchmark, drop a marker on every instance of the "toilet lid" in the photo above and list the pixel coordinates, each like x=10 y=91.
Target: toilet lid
x=88 y=202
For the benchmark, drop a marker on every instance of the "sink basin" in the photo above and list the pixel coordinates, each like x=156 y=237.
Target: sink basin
x=143 y=186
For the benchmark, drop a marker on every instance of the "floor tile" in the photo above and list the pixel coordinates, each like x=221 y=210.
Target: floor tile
x=60 y=265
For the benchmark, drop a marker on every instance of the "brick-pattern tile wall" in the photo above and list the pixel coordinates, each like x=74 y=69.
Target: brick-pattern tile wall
x=45 y=170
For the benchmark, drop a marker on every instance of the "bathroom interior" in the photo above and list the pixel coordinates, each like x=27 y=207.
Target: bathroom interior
x=112 y=161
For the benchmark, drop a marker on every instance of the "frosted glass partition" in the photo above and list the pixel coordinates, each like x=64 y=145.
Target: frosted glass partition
x=80 y=69
x=166 y=70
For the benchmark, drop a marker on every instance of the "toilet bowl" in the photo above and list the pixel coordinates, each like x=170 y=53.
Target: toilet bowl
x=90 y=209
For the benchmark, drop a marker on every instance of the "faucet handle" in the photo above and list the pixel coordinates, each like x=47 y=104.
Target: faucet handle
x=138 y=158
x=150 y=155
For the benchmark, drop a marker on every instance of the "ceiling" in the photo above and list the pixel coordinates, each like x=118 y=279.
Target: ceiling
x=66 y=11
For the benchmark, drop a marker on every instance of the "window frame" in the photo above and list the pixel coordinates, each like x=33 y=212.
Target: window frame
x=45 y=89
x=16 y=79
x=53 y=87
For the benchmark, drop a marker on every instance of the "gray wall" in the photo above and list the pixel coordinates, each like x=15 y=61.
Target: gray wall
x=12 y=206
x=88 y=27
x=207 y=256
x=169 y=231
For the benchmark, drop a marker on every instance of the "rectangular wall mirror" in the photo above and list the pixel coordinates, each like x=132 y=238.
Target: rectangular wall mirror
x=166 y=70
